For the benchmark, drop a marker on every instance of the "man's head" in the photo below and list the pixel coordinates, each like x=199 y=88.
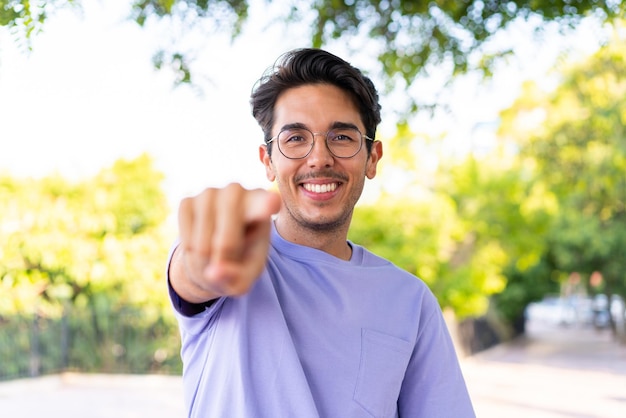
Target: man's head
x=314 y=66
x=317 y=111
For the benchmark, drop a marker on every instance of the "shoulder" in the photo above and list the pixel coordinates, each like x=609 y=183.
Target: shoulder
x=370 y=260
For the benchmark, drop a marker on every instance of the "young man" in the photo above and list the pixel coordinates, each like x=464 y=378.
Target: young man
x=283 y=316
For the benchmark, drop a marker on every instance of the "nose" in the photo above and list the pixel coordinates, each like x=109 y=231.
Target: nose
x=320 y=155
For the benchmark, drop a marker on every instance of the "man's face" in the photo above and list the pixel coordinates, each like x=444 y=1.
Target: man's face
x=319 y=191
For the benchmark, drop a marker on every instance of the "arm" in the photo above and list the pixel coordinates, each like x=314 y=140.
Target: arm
x=224 y=240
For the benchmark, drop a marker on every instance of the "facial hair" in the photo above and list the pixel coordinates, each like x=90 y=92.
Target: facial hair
x=326 y=224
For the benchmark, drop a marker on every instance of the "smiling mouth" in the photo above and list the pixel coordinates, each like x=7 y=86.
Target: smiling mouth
x=320 y=188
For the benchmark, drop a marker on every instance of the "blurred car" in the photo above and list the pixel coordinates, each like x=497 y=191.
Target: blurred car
x=552 y=310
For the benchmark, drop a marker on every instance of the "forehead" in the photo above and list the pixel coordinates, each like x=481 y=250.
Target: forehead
x=317 y=106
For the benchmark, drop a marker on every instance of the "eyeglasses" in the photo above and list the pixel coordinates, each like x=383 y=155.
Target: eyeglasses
x=296 y=143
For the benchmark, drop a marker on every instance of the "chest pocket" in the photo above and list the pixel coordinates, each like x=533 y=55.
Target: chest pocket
x=384 y=360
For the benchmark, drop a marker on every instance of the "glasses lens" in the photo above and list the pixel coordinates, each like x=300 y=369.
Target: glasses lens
x=295 y=143
x=344 y=143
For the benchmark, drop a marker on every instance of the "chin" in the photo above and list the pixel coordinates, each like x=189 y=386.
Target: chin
x=324 y=224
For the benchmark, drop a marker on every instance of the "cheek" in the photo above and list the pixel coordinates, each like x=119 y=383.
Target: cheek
x=282 y=170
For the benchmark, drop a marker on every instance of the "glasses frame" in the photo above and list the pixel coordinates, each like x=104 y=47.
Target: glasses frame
x=325 y=134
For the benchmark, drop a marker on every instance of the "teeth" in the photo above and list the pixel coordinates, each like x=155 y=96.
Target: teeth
x=320 y=188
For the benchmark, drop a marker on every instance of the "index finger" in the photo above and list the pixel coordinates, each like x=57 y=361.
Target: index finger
x=230 y=224
x=237 y=209
x=261 y=205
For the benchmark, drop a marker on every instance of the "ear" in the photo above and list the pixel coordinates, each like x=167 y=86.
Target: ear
x=265 y=158
x=375 y=155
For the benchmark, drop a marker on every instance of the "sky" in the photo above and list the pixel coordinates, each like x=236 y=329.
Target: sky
x=87 y=94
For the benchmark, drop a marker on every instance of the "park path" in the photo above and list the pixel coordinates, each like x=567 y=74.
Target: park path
x=71 y=395
x=550 y=373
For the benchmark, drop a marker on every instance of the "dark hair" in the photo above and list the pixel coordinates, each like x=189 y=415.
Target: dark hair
x=314 y=66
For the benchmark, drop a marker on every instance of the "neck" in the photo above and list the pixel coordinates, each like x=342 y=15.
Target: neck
x=332 y=241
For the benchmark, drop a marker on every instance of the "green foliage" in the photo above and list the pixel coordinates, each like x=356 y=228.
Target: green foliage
x=126 y=343
x=26 y=18
x=94 y=248
x=225 y=15
x=576 y=146
x=504 y=215
x=526 y=284
x=75 y=242
x=131 y=190
x=410 y=36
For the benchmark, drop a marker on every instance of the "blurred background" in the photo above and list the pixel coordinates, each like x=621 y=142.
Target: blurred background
x=503 y=184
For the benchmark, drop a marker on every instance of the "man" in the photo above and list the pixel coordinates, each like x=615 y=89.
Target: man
x=282 y=316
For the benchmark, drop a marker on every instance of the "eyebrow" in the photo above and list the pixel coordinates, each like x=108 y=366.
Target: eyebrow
x=334 y=125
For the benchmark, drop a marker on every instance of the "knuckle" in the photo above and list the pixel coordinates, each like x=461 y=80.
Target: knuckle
x=234 y=187
x=226 y=249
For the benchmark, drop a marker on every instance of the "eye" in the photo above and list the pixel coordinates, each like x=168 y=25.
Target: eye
x=294 y=137
x=344 y=136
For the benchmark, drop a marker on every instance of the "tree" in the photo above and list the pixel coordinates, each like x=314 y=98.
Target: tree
x=410 y=37
x=91 y=249
x=505 y=217
x=77 y=242
x=574 y=136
